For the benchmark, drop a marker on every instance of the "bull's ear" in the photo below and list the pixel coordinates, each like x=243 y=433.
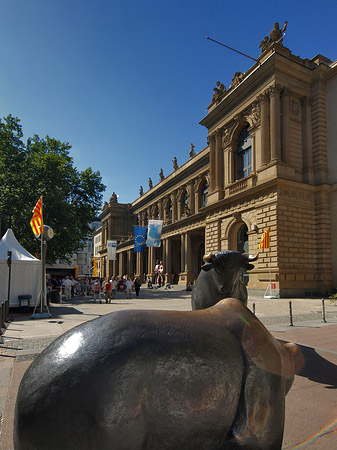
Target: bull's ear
x=208 y=258
x=247 y=257
x=291 y=348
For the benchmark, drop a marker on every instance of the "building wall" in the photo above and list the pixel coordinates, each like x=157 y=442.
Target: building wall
x=331 y=100
x=288 y=105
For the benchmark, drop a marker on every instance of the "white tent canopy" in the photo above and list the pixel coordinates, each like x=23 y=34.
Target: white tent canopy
x=25 y=271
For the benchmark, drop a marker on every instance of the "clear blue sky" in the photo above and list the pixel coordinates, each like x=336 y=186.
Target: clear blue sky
x=127 y=82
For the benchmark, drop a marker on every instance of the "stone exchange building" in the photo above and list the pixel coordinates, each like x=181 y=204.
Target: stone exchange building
x=271 y=161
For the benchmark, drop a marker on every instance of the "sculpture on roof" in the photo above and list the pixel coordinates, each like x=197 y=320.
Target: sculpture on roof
x=275 y=36
x=192 y=151
x=219 y=91
x=113 y=198
x=141 y=191
x=175 y=163
x=161 y=175
x=238 y=77
x=150 y=183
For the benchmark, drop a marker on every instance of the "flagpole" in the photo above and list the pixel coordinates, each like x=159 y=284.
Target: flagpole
x=270 y=268
x=42 y=260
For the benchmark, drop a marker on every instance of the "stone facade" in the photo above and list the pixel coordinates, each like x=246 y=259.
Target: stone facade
x=270 y=161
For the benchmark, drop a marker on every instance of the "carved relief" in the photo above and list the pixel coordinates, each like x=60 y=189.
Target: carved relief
x=226 y=135
x=294 y=107
x=255 y=116
x=298 y=194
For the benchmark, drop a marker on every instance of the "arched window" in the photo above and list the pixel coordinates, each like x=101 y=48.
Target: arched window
x=169 y=210
x=184 y=203
x=203 y=194
x=244 y=154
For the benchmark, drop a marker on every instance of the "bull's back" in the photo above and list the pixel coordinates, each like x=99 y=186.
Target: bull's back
x=127 y=379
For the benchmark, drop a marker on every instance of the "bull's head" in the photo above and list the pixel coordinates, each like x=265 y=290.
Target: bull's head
x=224 y=260
x=225 y=276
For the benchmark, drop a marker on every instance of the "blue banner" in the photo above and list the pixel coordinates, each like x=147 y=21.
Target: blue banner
x=139 y=239
x=154 y=233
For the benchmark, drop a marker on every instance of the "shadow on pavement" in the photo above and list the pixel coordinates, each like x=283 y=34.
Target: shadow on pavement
x=311 y=365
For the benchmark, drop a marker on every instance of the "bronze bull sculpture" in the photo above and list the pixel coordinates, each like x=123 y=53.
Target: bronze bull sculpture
x=220 y=278
x=212 y=379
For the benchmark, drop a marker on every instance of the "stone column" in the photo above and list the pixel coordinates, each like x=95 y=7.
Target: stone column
x=308 y=175
x=265 y=129
x=285 y=153
x=121 y=259
x=188 y=258
x=275 y=124
x=168 y=261
x=212 y=156
x=182 y=252
x=219 y=162
x=139 y=265
x=151 y=262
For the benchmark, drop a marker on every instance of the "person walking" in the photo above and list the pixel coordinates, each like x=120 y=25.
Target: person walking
x=114 y=285
x=137 y=284
x=97 y=291
x=128 y=287
x=107 y=289
x=67 y=284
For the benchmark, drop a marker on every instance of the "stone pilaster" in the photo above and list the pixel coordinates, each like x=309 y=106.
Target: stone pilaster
x=275 y=123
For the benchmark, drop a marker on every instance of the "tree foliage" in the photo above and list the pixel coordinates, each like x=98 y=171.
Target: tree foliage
x=71 y=198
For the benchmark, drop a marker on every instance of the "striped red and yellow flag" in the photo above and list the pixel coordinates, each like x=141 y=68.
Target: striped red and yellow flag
x=265 y=240
x=37 y=223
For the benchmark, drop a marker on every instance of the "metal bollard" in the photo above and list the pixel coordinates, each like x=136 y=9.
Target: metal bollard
x=323 y=311
x=253 y=308
x=290 y=315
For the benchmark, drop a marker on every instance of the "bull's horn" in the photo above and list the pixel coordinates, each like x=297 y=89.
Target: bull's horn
x=291 y=348
x=207 y=258
x=250 y=257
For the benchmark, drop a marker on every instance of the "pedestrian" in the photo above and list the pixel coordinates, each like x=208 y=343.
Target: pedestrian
x=128 y=287
x=137 y=284
x=160 y=280
x=97 y=291
x=107 y=289
x=67 y=284
x=114 y=285
x=92 y=286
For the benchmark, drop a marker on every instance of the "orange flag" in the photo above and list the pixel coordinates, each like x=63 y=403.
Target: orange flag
x=265 y=240
x=37 y=223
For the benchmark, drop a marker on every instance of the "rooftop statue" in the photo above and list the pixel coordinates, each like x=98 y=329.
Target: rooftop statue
x=150 y=183
x=238 y=77
x=141 y=191
x=113 y=198
x=219 y=91
x=275 y=36
x=175 y=163
x=192 y=153
x=161 y=175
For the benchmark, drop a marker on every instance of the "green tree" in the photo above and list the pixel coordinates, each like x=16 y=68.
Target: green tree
x=71 y=198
